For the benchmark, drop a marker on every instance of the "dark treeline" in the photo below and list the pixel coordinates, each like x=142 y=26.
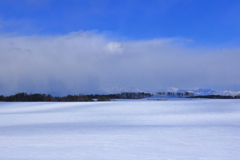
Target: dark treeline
x=24 y=97
x=135 y=95
x=178 y=94
x=217 y=97
x=191 y=95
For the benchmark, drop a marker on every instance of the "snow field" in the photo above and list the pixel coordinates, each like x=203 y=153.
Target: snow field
x=121 y=130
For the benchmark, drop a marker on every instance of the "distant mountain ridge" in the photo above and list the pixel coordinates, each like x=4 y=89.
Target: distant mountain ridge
x=198 y=91
x=203 y=91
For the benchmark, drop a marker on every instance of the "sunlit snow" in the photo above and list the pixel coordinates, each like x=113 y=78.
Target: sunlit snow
x=184 y=129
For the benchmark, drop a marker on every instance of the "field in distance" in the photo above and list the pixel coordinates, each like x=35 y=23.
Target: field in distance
x=121 y=130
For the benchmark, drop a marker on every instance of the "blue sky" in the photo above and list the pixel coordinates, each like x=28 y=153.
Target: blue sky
x=207 y=22
x=125 y=33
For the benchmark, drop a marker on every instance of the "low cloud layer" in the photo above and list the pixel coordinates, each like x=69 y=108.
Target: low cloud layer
x=86 y=62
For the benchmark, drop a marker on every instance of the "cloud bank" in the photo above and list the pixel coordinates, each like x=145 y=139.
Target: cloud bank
x=86 y=62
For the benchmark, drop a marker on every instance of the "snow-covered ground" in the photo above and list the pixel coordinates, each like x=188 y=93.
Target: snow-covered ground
x=184 y=129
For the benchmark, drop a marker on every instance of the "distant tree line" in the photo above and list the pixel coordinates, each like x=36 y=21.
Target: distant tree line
x=24 y=97
x=178 y=94
x=191 y=95
x=135 y=95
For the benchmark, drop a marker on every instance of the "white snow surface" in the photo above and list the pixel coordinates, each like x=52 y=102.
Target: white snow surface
x=184 y=129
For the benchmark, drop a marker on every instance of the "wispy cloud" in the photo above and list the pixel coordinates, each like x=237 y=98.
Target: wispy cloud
x=83 y=62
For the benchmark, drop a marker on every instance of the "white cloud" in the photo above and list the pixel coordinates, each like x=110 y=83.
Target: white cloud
x=80 y=63
x=113 y=47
